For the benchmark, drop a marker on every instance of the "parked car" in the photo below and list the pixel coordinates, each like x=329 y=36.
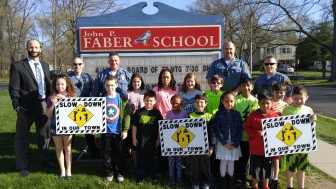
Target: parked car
x=286 y=69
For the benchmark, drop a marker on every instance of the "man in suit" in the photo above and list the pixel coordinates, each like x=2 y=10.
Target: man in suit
x=29 y=87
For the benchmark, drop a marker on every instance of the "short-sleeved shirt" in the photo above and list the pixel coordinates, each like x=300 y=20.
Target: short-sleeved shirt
x=264 y=82
x=135 y=100
x=188 y=100
x=182 y=114
x=83 y=84
x=213 y=101
x=292 y=110
x=113 y=114
x=245 y=106
x=147 y=124
x=163 y=97
x=279 y=106
x=232 y=72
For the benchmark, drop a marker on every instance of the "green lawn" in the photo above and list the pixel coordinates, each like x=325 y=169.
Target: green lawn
x=88 y=175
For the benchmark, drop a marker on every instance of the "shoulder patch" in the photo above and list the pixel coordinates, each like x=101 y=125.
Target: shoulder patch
x=288 y=83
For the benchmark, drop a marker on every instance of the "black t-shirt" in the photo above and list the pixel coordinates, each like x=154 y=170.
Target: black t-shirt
x=147 y=123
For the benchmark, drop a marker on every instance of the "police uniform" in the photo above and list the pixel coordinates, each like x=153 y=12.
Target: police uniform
x=232 y=71
x=265 y=83
x=83 y=84
x=122 y=76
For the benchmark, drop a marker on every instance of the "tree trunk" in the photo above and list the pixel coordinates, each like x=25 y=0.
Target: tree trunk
x=333 y=53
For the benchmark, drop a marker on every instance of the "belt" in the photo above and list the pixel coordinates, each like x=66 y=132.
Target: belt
x=42 y=99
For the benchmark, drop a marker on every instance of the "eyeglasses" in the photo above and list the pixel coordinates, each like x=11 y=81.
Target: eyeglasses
x=269 y=64
x=215 y=82
x=77 y=64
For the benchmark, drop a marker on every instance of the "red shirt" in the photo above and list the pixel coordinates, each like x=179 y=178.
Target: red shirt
x=252 y=126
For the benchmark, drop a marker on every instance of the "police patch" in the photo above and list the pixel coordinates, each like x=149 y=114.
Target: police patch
x=288 y=83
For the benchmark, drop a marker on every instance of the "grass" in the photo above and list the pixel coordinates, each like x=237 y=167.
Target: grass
x=90 y=174
x=326 y=129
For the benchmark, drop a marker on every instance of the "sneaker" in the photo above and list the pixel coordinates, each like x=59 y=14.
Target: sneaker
x=140 y=181
x=205 y=186
x=109 y=178
x=195 y=187
x=24 y=173
x=274 y=184
x=120 y=178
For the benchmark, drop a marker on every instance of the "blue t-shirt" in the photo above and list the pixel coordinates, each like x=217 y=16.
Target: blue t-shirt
x=113 y=114
x=232 y=72
x=188 y=100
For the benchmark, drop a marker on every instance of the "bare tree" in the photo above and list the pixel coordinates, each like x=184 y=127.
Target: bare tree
x=297 y=16
x=59 y=25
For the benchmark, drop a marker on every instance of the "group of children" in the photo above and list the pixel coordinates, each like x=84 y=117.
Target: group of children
x=233 y=122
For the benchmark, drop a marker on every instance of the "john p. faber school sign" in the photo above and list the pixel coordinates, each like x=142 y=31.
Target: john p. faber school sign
x=153 y=38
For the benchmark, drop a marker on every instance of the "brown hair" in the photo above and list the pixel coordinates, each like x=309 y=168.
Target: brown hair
x=188 y=76
x=70 y=88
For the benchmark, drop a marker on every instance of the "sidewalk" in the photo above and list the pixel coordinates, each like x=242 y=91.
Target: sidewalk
x=324 y=158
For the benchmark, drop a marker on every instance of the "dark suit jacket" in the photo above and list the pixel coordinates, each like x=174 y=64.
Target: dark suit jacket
x=23 y=88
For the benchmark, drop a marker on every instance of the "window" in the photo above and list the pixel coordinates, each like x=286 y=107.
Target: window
x=270 y=50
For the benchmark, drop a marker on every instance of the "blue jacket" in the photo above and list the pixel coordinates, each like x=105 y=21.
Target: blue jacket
x=225 y=121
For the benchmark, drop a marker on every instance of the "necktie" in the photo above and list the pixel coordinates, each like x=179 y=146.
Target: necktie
x=39 y=80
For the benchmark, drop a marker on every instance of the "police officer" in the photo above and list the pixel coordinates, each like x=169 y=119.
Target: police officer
x=230 y=68
x=83 y=84
x=265 y=81
x=122 y=75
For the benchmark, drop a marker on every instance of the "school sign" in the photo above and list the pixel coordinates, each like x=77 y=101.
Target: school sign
x=288 y=135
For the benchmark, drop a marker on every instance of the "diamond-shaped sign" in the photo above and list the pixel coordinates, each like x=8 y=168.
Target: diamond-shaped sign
x=183 y=136
x=289 y=134
x=80 y=115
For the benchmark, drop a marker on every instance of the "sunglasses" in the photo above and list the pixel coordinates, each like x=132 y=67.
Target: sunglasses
x=77 y=64
x=269 y=64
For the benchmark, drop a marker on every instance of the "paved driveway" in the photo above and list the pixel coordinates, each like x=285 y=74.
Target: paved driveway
x=322 y=100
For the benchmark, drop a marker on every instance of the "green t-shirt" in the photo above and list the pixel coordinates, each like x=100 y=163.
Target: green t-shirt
x=292 y=110
x=206 y=115
x=245 y=106
x=213 y=101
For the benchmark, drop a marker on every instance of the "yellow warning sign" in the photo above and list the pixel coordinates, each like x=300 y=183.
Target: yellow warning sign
x=80 y=115
x=183 y=136
x=289 y=134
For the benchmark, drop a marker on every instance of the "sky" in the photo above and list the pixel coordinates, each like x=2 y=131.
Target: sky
x=180 y=4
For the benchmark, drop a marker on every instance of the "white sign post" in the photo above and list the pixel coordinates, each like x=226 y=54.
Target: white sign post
x=81 y=115
x=288 y=135
x=183 y=137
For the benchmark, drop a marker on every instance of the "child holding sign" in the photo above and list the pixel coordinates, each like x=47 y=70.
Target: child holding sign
x=228 y=129
x=176 y=113
x=298 y=162
x=261 y=166
x=200 y=164
x=61 y=87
